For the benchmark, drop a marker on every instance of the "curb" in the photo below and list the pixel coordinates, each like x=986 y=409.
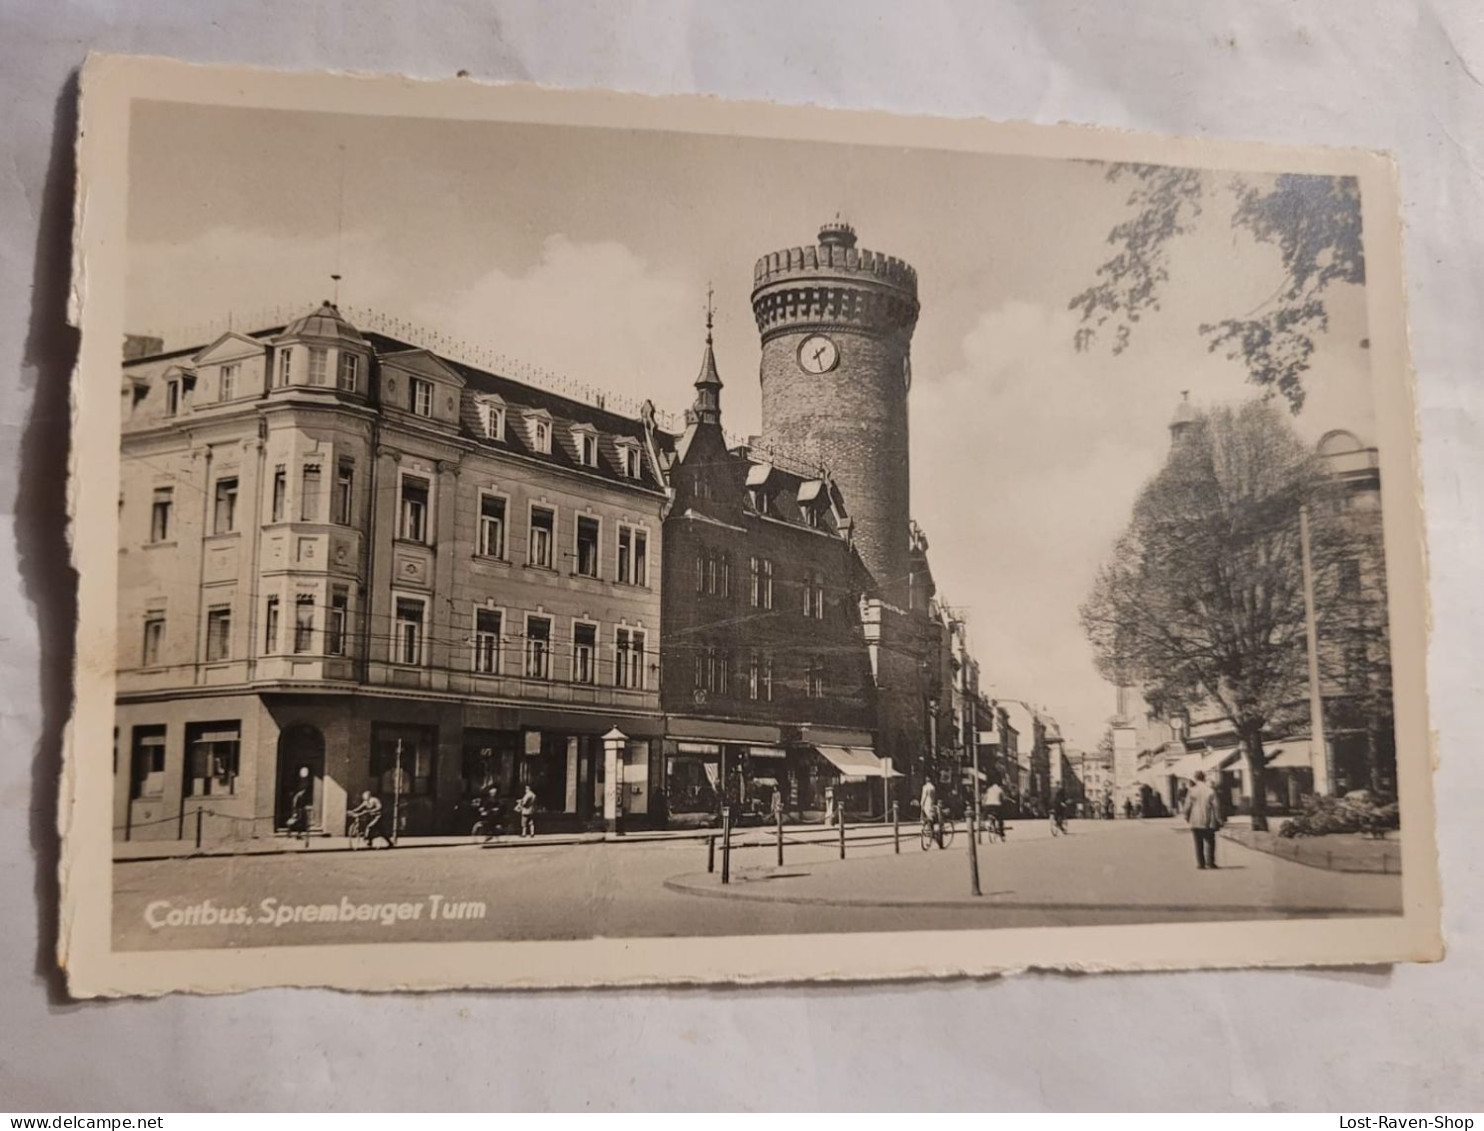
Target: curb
x=679 y=885
x=510 y=842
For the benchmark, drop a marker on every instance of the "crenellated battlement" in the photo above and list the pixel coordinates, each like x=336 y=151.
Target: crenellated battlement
x=796 y=262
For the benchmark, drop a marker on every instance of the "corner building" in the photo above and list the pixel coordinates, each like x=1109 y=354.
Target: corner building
x=836 y=323
x=344 y=556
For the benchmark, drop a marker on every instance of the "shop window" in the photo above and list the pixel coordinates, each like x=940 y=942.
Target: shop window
x=147 y=763
x=584 y=653
x=213 y=751
x=402 y=761
x=219 y=633
x=224 y=509
x=587 y=546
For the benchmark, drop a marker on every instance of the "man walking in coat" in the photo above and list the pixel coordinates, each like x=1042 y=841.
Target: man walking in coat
x=1203 y=814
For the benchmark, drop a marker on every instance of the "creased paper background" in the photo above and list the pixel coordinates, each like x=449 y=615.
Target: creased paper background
x=1398 y=76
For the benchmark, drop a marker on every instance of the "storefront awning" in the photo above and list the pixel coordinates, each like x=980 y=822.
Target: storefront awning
x=713 y=730
x=853 y=762
x=1297 y=755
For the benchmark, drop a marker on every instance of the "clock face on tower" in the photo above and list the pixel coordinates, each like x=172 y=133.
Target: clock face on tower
x=817 y=354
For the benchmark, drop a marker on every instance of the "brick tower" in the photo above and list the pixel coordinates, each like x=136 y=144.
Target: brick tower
x=836 y=324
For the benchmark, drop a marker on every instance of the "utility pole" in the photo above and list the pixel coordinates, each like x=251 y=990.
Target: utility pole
x=1319 y=745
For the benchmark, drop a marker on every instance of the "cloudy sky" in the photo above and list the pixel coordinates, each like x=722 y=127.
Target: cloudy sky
x=588 y=253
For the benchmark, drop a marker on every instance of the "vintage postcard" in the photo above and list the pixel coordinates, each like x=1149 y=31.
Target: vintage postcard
x=531 y=538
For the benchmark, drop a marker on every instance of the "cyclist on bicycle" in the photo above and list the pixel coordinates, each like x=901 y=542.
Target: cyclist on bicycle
x=932 y=812
x=994 y=801
x=1060 y=807
x=370 y=813
x=491 y=819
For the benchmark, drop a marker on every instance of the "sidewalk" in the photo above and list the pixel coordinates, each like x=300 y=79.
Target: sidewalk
x=1339 y=852
x=128 y=851
x=1134 y=869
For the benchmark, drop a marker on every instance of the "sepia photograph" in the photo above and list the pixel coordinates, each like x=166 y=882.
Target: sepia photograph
x=664 y=540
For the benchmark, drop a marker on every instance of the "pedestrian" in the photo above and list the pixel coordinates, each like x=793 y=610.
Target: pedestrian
x=300 y=804
x=526 y=807
x=372 y=814
x=829 y=805
x=1203 y=815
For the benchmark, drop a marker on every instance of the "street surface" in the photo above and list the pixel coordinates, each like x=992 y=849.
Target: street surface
x=1104 y=873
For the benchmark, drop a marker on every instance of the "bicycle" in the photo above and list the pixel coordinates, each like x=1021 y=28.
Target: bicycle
x=994 y=827
x=355 y=830
x=929 y=835
x=1058 y=824
x=486 y=828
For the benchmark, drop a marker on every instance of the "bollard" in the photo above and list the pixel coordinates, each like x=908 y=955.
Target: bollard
x=199 y=814
x=840 y=813
x=711 y=853
x=780 y=838
x=726 y=845
x=896 y=830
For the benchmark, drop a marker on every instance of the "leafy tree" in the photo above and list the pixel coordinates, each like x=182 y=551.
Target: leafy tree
x=1313 y=220
x=1202 y=600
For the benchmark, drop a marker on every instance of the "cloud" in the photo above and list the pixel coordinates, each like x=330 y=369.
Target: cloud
x=1026 y=459
x=594 y=312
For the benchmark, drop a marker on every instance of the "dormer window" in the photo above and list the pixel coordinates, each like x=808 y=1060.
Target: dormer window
x=227 y=387
x=587 y=446
x=813 y=515
x=172 y=397
x=420 y=396
x=541 y=435
x=762 y=501
x=348 y=377
x=633 y=466
x=491 y=419
x=285 y=366
x=318 y=362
